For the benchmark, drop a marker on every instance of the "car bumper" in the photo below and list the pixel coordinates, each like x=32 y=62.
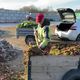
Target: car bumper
x=71 y=34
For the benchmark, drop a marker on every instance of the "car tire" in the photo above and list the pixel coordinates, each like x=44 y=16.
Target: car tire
x=30 y=40
x=73 y=74
x=78 y=38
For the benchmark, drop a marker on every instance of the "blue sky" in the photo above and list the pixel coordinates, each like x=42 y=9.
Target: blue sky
x=53 y=4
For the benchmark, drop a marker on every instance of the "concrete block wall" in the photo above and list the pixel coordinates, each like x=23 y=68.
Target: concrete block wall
x=52 y=67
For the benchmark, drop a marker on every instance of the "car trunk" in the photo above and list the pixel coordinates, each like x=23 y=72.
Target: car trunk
x=68 y=19
x=64 y=26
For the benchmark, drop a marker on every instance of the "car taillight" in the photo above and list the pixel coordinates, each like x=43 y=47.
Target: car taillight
x=73 y=28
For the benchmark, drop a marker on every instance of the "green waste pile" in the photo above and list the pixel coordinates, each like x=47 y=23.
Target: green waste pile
x=27 y=24
x=72 y=50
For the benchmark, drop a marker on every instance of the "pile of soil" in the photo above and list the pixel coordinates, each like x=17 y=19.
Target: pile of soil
x=7 y=51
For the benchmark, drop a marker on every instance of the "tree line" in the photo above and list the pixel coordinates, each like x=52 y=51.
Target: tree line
x=77 y=10
x=34 y=9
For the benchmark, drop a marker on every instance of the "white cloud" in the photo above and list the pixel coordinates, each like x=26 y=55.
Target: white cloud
x=16 y=4
x=14 y=1
x=10 y=5
x=46 y=3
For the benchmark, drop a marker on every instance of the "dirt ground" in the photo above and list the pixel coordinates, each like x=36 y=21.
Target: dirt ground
x=9 y=33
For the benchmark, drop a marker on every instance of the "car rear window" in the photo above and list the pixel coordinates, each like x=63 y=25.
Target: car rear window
x=68 y=16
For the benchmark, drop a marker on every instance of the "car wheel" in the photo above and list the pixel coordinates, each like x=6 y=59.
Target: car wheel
x=78 y=38
x=30 y=40
x=73 y=74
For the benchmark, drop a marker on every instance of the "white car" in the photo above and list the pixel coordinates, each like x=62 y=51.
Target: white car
x=69 y=26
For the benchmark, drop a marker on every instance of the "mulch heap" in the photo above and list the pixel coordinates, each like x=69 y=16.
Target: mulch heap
x=8 y=53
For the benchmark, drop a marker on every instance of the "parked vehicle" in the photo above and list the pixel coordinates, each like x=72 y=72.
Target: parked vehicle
x=69 y=26
x=26 y=29
x=27 y=33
